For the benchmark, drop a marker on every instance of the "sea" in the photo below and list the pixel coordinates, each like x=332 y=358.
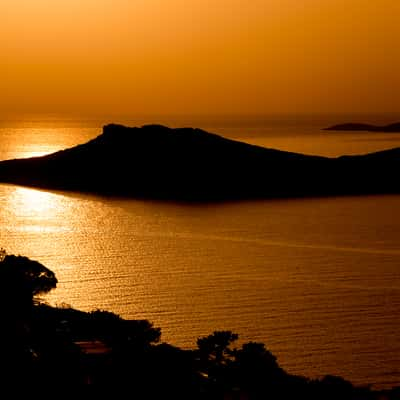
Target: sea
x=317 y=280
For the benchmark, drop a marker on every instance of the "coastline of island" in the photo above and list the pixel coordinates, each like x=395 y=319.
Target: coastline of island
x=187 y=164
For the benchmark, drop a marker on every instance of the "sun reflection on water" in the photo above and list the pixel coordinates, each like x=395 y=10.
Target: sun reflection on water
x=34 y=202
x=35 y=211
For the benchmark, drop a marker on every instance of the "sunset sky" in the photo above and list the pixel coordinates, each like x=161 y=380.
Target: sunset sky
x=199 y=56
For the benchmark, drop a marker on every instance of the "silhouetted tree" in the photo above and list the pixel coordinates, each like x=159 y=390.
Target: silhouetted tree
x=122 y=334
x=256 y=370
x=254 y=357
x=216 y=347
x=215 y=360
x=22 y=280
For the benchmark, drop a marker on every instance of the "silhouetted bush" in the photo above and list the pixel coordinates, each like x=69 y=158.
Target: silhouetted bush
x=22 y=280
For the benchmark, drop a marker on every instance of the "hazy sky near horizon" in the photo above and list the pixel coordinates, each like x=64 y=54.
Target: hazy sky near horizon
x=199 y=56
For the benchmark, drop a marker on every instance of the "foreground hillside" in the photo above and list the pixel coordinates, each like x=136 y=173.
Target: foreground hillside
x=190 y=164
x=70 y=351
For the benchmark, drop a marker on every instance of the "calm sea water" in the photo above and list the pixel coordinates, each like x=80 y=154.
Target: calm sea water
x=317 y=280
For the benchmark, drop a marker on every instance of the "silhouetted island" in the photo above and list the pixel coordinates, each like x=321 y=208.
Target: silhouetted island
x=355 y=126
x=61 y=350
x=190 y=164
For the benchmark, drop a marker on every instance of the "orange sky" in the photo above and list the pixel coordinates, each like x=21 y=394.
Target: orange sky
x=199 y=56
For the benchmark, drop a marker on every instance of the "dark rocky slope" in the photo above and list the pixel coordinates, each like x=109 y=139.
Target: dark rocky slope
x=190 y=164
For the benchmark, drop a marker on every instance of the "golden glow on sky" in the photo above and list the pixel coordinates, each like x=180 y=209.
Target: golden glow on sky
x=199 y=56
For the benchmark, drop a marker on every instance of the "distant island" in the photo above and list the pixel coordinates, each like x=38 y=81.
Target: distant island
x=187 y=164
x=355 y=126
